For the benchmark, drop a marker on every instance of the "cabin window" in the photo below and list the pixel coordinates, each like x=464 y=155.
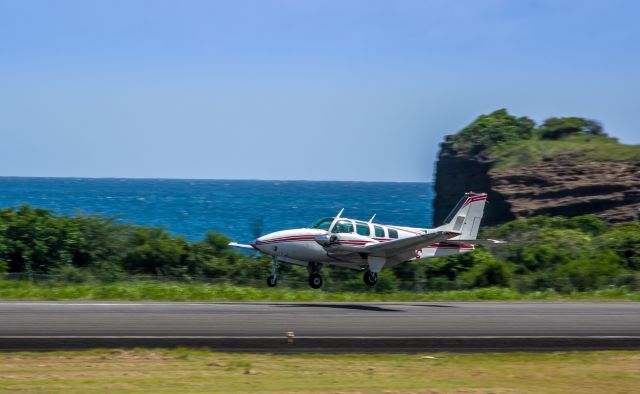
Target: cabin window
x=323 y=224
x=343 y=226
x=379 y=231
x=363 y=229
x=393 y=233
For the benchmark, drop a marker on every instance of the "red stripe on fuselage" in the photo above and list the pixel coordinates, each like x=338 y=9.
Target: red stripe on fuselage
x=292 y=238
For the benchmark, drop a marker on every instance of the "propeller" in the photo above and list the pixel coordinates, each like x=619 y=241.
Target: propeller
x=256 y=226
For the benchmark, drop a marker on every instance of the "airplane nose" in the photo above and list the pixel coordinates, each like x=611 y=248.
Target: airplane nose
x=263 y=238
x=261 y=243
x=257 y=242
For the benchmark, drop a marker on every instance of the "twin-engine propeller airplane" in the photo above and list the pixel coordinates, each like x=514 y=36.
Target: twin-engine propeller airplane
x=368 y=246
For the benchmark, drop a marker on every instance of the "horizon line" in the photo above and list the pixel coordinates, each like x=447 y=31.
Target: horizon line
x=206 y=179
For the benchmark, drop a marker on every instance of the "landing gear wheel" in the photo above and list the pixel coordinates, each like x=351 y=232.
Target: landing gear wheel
x=272 y=281
x=370 y=278
x=315 y=281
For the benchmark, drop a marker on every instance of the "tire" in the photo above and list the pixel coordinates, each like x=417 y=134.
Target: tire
x=272 y=281
x=370 y=278
x=315 y=281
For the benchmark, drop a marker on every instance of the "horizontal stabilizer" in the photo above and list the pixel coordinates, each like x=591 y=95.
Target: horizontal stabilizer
x=241 y=246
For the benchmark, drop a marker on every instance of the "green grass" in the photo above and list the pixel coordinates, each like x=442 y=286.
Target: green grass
x=195 y=371
x=580 y=148
x=167 y=291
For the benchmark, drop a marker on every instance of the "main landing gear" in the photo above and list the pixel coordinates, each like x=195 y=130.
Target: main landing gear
x=272 y=280
x=315 y=280
x=370 y=278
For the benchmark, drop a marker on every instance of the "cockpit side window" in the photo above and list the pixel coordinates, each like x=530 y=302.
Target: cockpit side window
x=323 y=224
x=362 y=228
x=393 y=233
x=343 y=226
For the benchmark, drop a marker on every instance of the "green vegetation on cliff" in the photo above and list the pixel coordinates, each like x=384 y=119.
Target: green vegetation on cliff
x=511 y=141
x=496 y=129
x=46 y=256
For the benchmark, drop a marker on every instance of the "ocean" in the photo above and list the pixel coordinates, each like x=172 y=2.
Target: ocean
x=241 y=209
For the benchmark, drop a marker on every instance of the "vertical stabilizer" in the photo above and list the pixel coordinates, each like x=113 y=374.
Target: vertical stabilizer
x=466 y=216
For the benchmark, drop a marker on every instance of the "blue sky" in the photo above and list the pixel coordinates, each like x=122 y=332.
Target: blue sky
x=335 y=90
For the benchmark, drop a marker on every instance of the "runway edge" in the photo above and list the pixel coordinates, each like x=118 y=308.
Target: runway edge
x=328 y=344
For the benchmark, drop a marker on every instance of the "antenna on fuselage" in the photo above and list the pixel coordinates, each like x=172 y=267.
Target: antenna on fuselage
x=339 y=213
x=372 y=217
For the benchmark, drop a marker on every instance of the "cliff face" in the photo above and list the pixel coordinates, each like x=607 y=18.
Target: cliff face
x=458 y=173
x=556 y=186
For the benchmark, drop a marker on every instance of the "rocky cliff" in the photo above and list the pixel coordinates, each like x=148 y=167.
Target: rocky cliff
x=566 y=182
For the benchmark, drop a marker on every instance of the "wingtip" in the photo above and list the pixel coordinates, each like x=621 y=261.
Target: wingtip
x=242 y=246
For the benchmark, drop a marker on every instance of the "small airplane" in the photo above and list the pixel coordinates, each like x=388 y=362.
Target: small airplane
x=368 y=246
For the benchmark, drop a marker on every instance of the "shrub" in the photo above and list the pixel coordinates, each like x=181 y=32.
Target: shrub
x=624 y=240
x=591 y=271
x=556 y=128
x=387 y=282
x=71 y=274
x=487 y=271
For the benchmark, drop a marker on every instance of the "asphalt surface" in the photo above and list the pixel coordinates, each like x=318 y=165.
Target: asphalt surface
x=322 y=327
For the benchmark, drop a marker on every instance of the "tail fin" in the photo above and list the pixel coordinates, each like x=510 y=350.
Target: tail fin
x=466 y=215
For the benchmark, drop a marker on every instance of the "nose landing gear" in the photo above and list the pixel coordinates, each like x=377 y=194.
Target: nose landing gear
x=370 y=278
x=272 y=280
x=315 y=280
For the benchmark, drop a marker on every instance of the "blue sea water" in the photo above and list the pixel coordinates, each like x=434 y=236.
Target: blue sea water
x=238 y=208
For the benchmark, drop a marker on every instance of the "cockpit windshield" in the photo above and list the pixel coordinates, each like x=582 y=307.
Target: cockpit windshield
x=323 y=224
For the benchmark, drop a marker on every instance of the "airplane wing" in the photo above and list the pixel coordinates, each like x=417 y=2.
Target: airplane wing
x=241 y=246
x=395 y=247
x=476 y=241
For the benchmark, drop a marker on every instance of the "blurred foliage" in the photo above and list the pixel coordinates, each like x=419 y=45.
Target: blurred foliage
x=569 y=254
x=543 y=253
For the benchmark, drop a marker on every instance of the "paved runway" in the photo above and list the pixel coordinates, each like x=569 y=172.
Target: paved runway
x=328 y=327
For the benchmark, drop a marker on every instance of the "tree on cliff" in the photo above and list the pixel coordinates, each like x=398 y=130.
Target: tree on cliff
x=555 y=128
x=499 y=127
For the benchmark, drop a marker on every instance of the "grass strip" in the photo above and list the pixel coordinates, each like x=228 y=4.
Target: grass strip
x=195 y=371
x=168 y=291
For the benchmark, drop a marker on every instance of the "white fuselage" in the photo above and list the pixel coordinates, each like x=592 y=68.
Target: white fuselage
x=304 y=245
